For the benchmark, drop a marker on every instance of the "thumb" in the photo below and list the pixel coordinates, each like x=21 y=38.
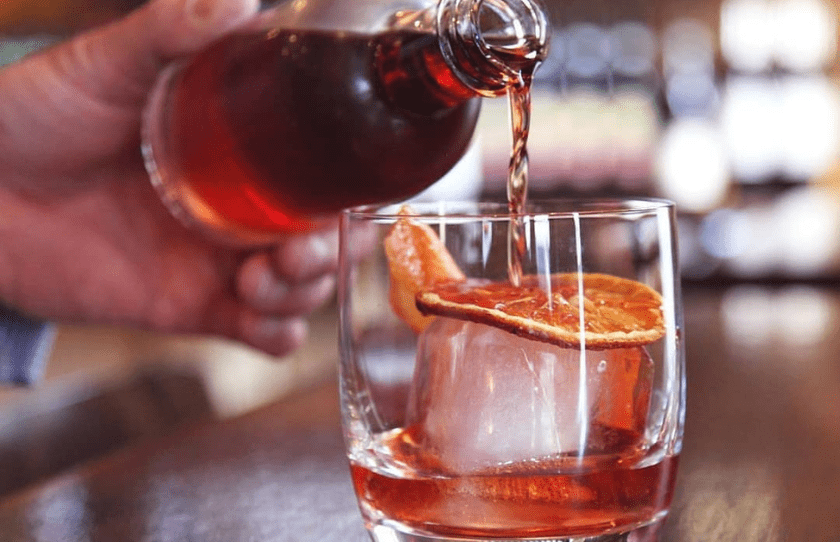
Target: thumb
x=134 y=49
x=96 y=83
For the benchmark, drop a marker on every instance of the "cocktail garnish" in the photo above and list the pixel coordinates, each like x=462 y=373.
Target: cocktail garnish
x=617 y=312
x=425 y=281
x=417 y=261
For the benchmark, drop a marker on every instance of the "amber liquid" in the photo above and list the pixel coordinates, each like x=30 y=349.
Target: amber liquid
x=266 y=132
x=547 y=497
x=517 y=182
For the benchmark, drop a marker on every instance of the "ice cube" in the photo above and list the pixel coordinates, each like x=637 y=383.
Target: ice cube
x=486 y=398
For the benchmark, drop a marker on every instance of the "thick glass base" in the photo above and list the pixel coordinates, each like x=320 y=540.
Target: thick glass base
x=644 y=533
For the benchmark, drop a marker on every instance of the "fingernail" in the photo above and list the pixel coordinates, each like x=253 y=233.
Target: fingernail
x=201 y=11
x=208 y=13
x=324 y=247
x=269 y=288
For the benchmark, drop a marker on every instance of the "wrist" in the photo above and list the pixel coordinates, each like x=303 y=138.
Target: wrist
x=25 y=346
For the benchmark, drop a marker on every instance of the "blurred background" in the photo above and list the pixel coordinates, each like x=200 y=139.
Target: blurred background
x=731 y=108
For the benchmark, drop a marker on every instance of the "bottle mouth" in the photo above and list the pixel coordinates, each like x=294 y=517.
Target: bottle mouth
x=511 y=38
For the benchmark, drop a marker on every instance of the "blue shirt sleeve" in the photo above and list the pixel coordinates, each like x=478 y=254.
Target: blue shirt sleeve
x=25 y=346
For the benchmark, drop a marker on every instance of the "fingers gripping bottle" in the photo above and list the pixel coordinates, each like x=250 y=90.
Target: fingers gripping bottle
x=310 y=109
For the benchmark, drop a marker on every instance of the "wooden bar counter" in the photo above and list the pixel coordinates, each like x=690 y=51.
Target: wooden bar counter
x=761 y=456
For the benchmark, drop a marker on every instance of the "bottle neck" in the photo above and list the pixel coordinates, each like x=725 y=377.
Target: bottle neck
x=432 y=60
x=492 y=45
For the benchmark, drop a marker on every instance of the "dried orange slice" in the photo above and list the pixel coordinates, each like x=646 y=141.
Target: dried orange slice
x=417 y=261
x=617 y=312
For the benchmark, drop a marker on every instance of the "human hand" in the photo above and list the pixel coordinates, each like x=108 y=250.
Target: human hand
x=84 y=236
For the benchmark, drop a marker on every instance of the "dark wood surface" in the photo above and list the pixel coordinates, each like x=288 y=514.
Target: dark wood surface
x=46 y=439
x=761 y=457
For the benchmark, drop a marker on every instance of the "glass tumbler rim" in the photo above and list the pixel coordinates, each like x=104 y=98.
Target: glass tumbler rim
x=489 y=210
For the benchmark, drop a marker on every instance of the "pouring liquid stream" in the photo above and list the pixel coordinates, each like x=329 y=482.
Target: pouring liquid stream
x=523 y=50
x=519 y=97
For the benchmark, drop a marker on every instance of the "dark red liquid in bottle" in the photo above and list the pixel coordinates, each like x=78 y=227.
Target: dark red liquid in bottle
x=268 y=131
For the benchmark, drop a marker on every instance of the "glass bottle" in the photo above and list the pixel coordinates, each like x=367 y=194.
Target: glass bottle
x=295 y=117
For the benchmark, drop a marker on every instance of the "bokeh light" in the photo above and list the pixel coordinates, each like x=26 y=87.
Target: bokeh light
x=691 y=165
